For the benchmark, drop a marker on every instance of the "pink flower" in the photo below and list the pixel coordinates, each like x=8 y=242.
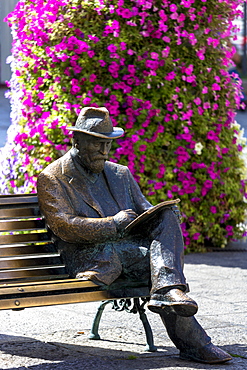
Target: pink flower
x=134 y=138
x=162 y=170
x=211 y=135
x=173 y=8
x=196 y=236
x=189 y=70
x=98 y=89
x=195 y=199
x=170 y=76
x=131 y=69
x=208 y=184
x=158 y=185
x=206 y=105
x=197 y=101
x=200 y=111
x=224 y=150
x=200 y=53
x=91 y=53
x=112 y=48
x=170 y=107
x=213 y=209
x=229 y=230
x=142 y=148
x=86 y=101
x=102 y=62
x=165 y=52
x=48 y=159
x=12 y=183
x=192 y=39
x=154 y=55
x=41 y=95
x=169 y=194
x=216 y=87
x=75 y=89
x=151 y=64
x=126 y=13
x=92 y=77
x=166 y=39
x=214 y=42
x=122 y=45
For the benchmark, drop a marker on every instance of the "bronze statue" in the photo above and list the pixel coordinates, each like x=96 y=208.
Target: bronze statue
x=88 y=202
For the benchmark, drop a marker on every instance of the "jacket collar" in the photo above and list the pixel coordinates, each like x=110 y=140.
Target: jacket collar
x=77 y=179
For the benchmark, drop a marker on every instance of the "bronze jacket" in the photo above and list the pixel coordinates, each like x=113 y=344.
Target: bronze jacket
x=75 y=217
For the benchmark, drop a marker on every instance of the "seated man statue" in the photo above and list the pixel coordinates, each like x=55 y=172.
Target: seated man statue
x=88 y=202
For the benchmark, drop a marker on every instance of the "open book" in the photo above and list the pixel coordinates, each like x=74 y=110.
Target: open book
x=148 y=214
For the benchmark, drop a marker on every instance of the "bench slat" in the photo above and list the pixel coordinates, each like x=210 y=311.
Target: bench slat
x=31 y=267
x=6 y=226
x=53 y=300
x=24 y=238
x=27 y=262
x=21 y=212
x=20 y=281
x=18 y=199
x=45 y=287
x=74 y=297
x=43 y=272
x=29 y=256
x=12 y=250
x=81 y=283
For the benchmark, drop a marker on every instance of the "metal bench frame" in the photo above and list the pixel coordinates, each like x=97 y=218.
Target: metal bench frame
x=32 y=273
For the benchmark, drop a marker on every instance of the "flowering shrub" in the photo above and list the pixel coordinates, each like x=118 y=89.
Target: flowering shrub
x=160 y=67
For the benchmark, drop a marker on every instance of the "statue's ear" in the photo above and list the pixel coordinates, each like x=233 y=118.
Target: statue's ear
x=75 y=141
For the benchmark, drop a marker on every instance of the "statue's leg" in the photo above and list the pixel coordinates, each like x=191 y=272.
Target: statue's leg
x=191 y=339
x=166 y=265
x=167 y=253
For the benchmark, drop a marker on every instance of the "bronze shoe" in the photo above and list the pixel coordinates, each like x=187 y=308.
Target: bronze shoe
x=209 y=354
x=175 y=300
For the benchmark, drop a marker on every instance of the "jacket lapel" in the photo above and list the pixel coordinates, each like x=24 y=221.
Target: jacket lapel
x=116 y=185
x=76 y=180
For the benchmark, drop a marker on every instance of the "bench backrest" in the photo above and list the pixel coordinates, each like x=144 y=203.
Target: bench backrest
x=26 y=250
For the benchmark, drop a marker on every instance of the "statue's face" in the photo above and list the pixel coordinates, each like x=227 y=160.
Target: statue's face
x=93 y=152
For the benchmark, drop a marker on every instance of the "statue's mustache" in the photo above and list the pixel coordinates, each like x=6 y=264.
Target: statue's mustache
x=100 y=158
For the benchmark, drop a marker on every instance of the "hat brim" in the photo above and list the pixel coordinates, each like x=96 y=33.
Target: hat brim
x=116 y=133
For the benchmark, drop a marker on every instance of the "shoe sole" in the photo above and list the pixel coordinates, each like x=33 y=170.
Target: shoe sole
x=193 y=358
x=185 y=310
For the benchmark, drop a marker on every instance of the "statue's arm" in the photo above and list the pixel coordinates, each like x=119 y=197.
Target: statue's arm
x=62 y=219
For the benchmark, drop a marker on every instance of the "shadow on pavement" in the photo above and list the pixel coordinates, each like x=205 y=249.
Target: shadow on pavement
x=37 y=355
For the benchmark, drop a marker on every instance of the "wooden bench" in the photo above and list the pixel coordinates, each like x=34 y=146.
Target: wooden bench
x=32 y=273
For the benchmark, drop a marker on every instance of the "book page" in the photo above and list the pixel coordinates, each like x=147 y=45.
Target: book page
x=147 y=214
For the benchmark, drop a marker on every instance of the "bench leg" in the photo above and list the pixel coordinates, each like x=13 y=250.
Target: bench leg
x=95 y=327
x=150 y=347
x=124 y=304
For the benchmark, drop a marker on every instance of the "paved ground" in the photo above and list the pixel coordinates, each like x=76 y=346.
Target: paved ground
x=55 y=337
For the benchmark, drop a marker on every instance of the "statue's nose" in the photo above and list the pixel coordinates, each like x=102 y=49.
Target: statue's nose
x=104 y=149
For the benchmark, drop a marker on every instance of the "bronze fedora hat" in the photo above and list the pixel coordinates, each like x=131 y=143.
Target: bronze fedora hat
x=96 y=122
